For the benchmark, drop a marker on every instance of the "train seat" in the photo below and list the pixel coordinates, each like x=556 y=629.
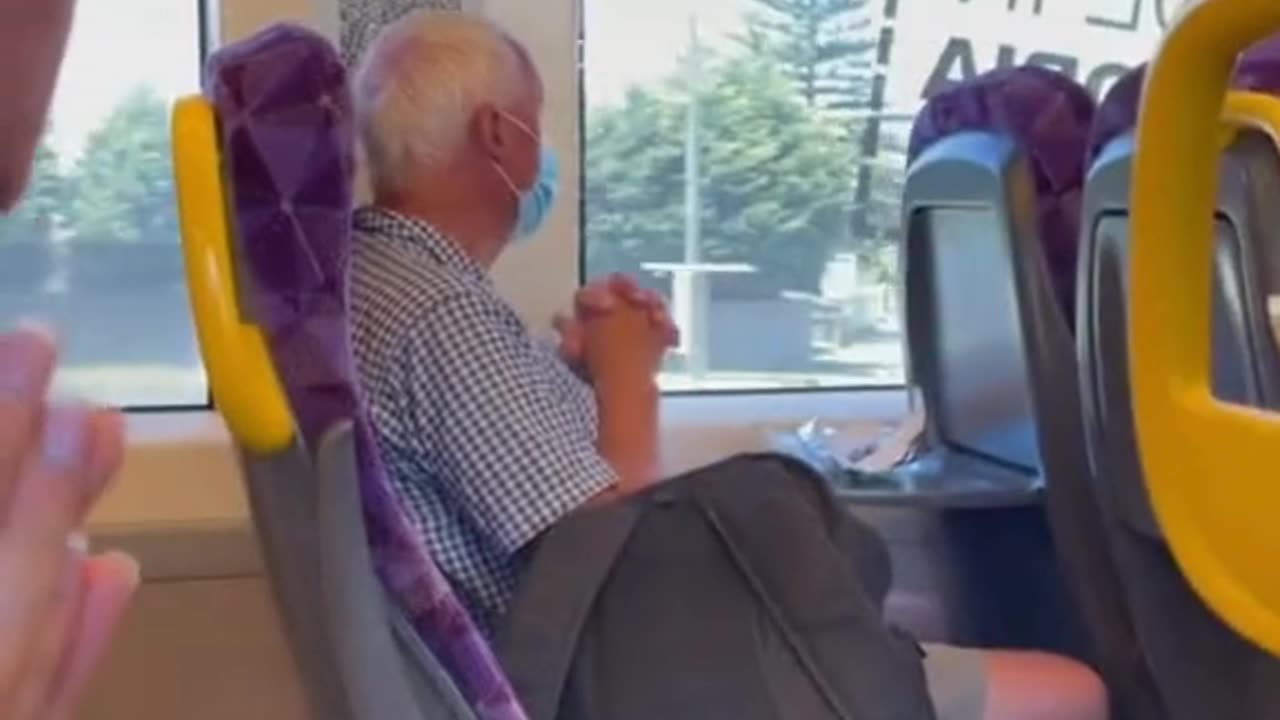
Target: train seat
x=989 y=209
x=991 y=217
x=265 y=166
x=1201 y=668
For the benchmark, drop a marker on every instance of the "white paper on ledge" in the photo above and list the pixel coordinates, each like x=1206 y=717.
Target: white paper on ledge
x=892 y=448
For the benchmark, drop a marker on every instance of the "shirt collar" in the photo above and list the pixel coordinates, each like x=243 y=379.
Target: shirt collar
x=383 y=222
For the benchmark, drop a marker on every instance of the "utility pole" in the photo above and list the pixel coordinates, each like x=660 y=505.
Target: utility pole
x=690 y=278
x=696 y=291
x=692 y=180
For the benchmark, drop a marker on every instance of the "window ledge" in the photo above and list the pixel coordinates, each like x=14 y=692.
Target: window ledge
x=179 y=506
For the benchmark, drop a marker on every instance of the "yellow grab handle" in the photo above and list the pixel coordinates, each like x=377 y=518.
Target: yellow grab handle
x=1211 y=468
x=1258 y=111
x=245 y=388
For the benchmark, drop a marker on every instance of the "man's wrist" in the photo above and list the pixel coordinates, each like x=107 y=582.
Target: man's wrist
x=629 y=379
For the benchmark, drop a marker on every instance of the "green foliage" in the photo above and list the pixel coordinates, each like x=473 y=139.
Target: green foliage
x=775 y=178
x=123 y=186
x=35 y=217
x=783 y=128
x=824 y=46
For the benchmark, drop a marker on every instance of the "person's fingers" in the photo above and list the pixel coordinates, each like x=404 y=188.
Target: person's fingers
x=47 y=501
x=52 y=633
x=657 y=310
x=58 y=476
x=571 y=336
x=596 y=298
x=670 y=334
x=79 y=451
x=659 y=317
x=625 y=286
x=646 y=297
x=105 y=454
x=562 y=322
x=26 y=365
x=110 y=583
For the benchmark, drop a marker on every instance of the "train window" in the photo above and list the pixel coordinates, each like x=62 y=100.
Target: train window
x=93 y=248
x=746 y=159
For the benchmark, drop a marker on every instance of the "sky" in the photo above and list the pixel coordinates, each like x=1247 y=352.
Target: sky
x=118 y=44
x=630 y=42
x=115 y=46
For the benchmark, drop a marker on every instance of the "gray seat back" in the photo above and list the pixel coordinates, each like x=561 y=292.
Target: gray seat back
x=991 y=210
x=1245 y=364
x=388 y=670
x=282 y=500
x=1200 y=667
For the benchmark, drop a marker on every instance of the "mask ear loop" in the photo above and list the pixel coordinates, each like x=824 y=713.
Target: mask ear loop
x=506 y=178
x=523 y=127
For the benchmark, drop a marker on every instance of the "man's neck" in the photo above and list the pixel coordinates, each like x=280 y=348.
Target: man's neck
x=465 y=225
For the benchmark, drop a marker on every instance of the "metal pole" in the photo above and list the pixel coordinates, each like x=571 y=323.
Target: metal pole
x=695 y=281
x=692 y=201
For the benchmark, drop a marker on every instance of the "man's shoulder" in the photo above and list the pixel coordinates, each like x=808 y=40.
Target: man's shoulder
x=382 y=267
x=399 y=290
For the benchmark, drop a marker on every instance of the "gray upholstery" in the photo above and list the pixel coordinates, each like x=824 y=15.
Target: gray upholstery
x=387 y=671
x=1245 y=364
x=992 y=353
x=359 y=657
x=970 y=260
x=1202 y=669
x=282 y=499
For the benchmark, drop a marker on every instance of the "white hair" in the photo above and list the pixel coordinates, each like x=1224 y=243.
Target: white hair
x=420 y=84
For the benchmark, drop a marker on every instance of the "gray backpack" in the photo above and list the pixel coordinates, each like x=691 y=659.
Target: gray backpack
x=741 y=590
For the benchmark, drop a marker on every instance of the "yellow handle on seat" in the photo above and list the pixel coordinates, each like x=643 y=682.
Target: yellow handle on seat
x=1258 y=111
x=1212 y=469
x=242 y=378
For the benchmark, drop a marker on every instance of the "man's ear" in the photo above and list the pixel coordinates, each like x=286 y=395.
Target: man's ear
x=488 y=131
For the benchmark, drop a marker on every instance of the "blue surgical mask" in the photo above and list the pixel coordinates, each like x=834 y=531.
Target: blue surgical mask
x=534 y=205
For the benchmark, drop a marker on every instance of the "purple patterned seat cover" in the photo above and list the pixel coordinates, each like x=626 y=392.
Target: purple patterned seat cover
x=1049 y=116
x=288 y=143
x=1258 y=69
x=1118 y=112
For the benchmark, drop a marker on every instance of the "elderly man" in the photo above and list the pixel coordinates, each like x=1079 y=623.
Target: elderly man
x=490 y=438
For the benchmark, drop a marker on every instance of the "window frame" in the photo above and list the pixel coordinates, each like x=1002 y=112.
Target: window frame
x=206 y=22
x=821 y=394
x=206 y=26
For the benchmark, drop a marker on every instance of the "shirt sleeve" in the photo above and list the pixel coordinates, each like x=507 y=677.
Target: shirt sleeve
x=491 y=415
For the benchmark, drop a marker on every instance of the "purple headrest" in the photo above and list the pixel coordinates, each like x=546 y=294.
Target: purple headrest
x=1258 y=69
x=1118 y=113
x=284 y=117
x=288 y=141
x=1049 y=116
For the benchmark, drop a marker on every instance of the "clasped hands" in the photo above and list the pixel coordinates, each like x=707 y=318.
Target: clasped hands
x=617 y=332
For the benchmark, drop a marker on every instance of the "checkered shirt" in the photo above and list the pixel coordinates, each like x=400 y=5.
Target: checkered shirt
x=488 y=436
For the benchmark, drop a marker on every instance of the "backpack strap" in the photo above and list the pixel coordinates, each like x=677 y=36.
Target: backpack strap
x=819 y=575
x=539 y=638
